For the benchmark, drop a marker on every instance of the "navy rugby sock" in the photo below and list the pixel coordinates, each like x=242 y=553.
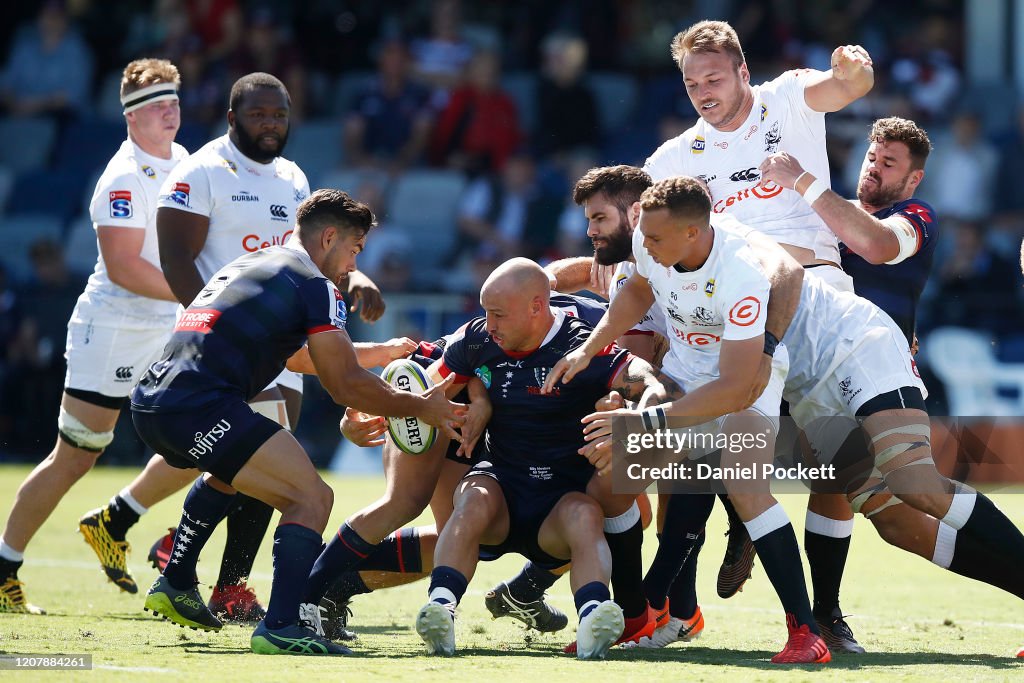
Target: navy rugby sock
x=448 y=585
x=398 y=552
x=247 y=523
x=977 y=561
x=987 y=526
x=204 y=508
x=531 y=583
x=685 y=517
x=590 y=596
x=295 y=550
x=345 y=551
x=827 y=544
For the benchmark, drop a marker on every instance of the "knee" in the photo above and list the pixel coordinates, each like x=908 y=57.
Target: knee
x=74 y=460
x=584 y=515
x=320 y=501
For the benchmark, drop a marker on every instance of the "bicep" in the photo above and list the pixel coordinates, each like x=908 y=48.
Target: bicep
x=823 y=93
x=333 y=356
x=740 y=359
x=633 y=378
x=117 y=243
x=181 y=231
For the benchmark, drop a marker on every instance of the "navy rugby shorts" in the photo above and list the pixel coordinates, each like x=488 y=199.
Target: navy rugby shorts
x=219 y=439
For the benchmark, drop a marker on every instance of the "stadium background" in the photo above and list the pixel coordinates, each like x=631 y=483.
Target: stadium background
x=558 y=86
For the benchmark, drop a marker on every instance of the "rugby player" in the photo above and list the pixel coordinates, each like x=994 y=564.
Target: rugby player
x=528 y=494
x=119 y=325
x=740 y=125
x=191 y=405
x=236 y=195
x=829 y=338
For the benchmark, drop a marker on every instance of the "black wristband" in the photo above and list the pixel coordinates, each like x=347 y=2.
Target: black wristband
x=771 y=342
x=654 y=418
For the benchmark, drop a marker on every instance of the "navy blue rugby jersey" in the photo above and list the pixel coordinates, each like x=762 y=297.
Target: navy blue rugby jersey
x=584 y=308
x=241 y=329
x=896 y=289
x=528 y=430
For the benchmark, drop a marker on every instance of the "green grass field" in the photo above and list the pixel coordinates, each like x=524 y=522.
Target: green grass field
x=917 y=622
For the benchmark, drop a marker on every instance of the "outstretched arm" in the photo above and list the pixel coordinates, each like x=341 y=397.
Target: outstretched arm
x=851 y=77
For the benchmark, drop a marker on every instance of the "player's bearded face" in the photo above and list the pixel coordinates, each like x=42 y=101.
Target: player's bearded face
x=616 y=246
x=261 y=124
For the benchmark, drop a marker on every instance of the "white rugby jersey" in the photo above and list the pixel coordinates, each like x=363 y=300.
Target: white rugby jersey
x=726 y=298
x=779 y=121
x=250 y=205
x=653 y=321
x=126 y=197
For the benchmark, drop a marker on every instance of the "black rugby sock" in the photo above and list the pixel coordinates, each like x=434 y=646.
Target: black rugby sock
x=988 y=526
x=247 y=523
x=682 y=597
x=826 y=556
x=204 y=508
x=780 y=557
x=348 y=585
x=625 y=537
x=685 y=517
x=120 y=518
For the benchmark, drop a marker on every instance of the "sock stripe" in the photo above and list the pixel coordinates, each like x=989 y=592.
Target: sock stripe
x=398 y=546
x=342 y=539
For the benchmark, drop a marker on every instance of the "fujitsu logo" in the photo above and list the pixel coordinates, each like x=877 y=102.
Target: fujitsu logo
x=206 y=442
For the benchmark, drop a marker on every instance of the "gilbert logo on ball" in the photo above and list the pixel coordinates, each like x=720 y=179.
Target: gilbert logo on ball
x=410 y=434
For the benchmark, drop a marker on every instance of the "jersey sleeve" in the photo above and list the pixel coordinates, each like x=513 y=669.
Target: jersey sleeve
x=459 y=354
x=744 y=302
x=119 y=201
x=187 y=188
x=790 y=87
x=605 y=366
x=668 y=160
x=324 y=306
x=922 y=219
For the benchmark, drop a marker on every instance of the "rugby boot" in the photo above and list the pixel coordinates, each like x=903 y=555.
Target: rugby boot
x=738 y=561
x=113 y=552
x=803 y=647
x=674 y=629
x=160 y=552
x=599 y=631
x=536 y=614
x=436 y=625
x=184 y=608
x=237 y=603
x=12 y=598
x=294 y=639
x=631 y=638
x=837 y=634
x=335 y=616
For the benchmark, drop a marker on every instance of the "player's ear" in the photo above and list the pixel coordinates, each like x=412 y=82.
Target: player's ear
x=231 y=118
x=634 y=215
x=915 y=178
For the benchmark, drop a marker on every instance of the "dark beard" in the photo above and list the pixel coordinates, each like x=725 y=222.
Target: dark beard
x=882 y=195
x=618 y=249
x=251 y=148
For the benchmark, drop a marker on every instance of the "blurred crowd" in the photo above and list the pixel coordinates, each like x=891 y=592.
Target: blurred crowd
x=464 y=125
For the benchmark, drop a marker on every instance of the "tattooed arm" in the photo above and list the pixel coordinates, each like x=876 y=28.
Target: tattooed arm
x=639 y=383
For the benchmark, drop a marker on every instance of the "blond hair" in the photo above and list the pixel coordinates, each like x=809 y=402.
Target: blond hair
x=707 y=36
x=145 y=72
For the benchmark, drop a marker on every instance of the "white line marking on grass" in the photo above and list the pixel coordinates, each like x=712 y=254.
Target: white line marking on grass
x=144 y=669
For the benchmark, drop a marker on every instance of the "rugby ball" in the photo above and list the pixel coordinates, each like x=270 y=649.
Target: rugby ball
x=410 y=434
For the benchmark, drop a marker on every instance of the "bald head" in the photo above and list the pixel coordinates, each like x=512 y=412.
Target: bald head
x=516 y=298
x=517 y=277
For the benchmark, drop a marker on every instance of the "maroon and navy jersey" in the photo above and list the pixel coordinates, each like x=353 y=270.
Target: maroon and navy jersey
x=585 y=308
x=896 y=288
x=241 y=329
x=534 y=433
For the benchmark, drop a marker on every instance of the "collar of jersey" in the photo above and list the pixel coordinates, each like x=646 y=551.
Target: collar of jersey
x=556 y=325
x=295 y=245
x=261 y=169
